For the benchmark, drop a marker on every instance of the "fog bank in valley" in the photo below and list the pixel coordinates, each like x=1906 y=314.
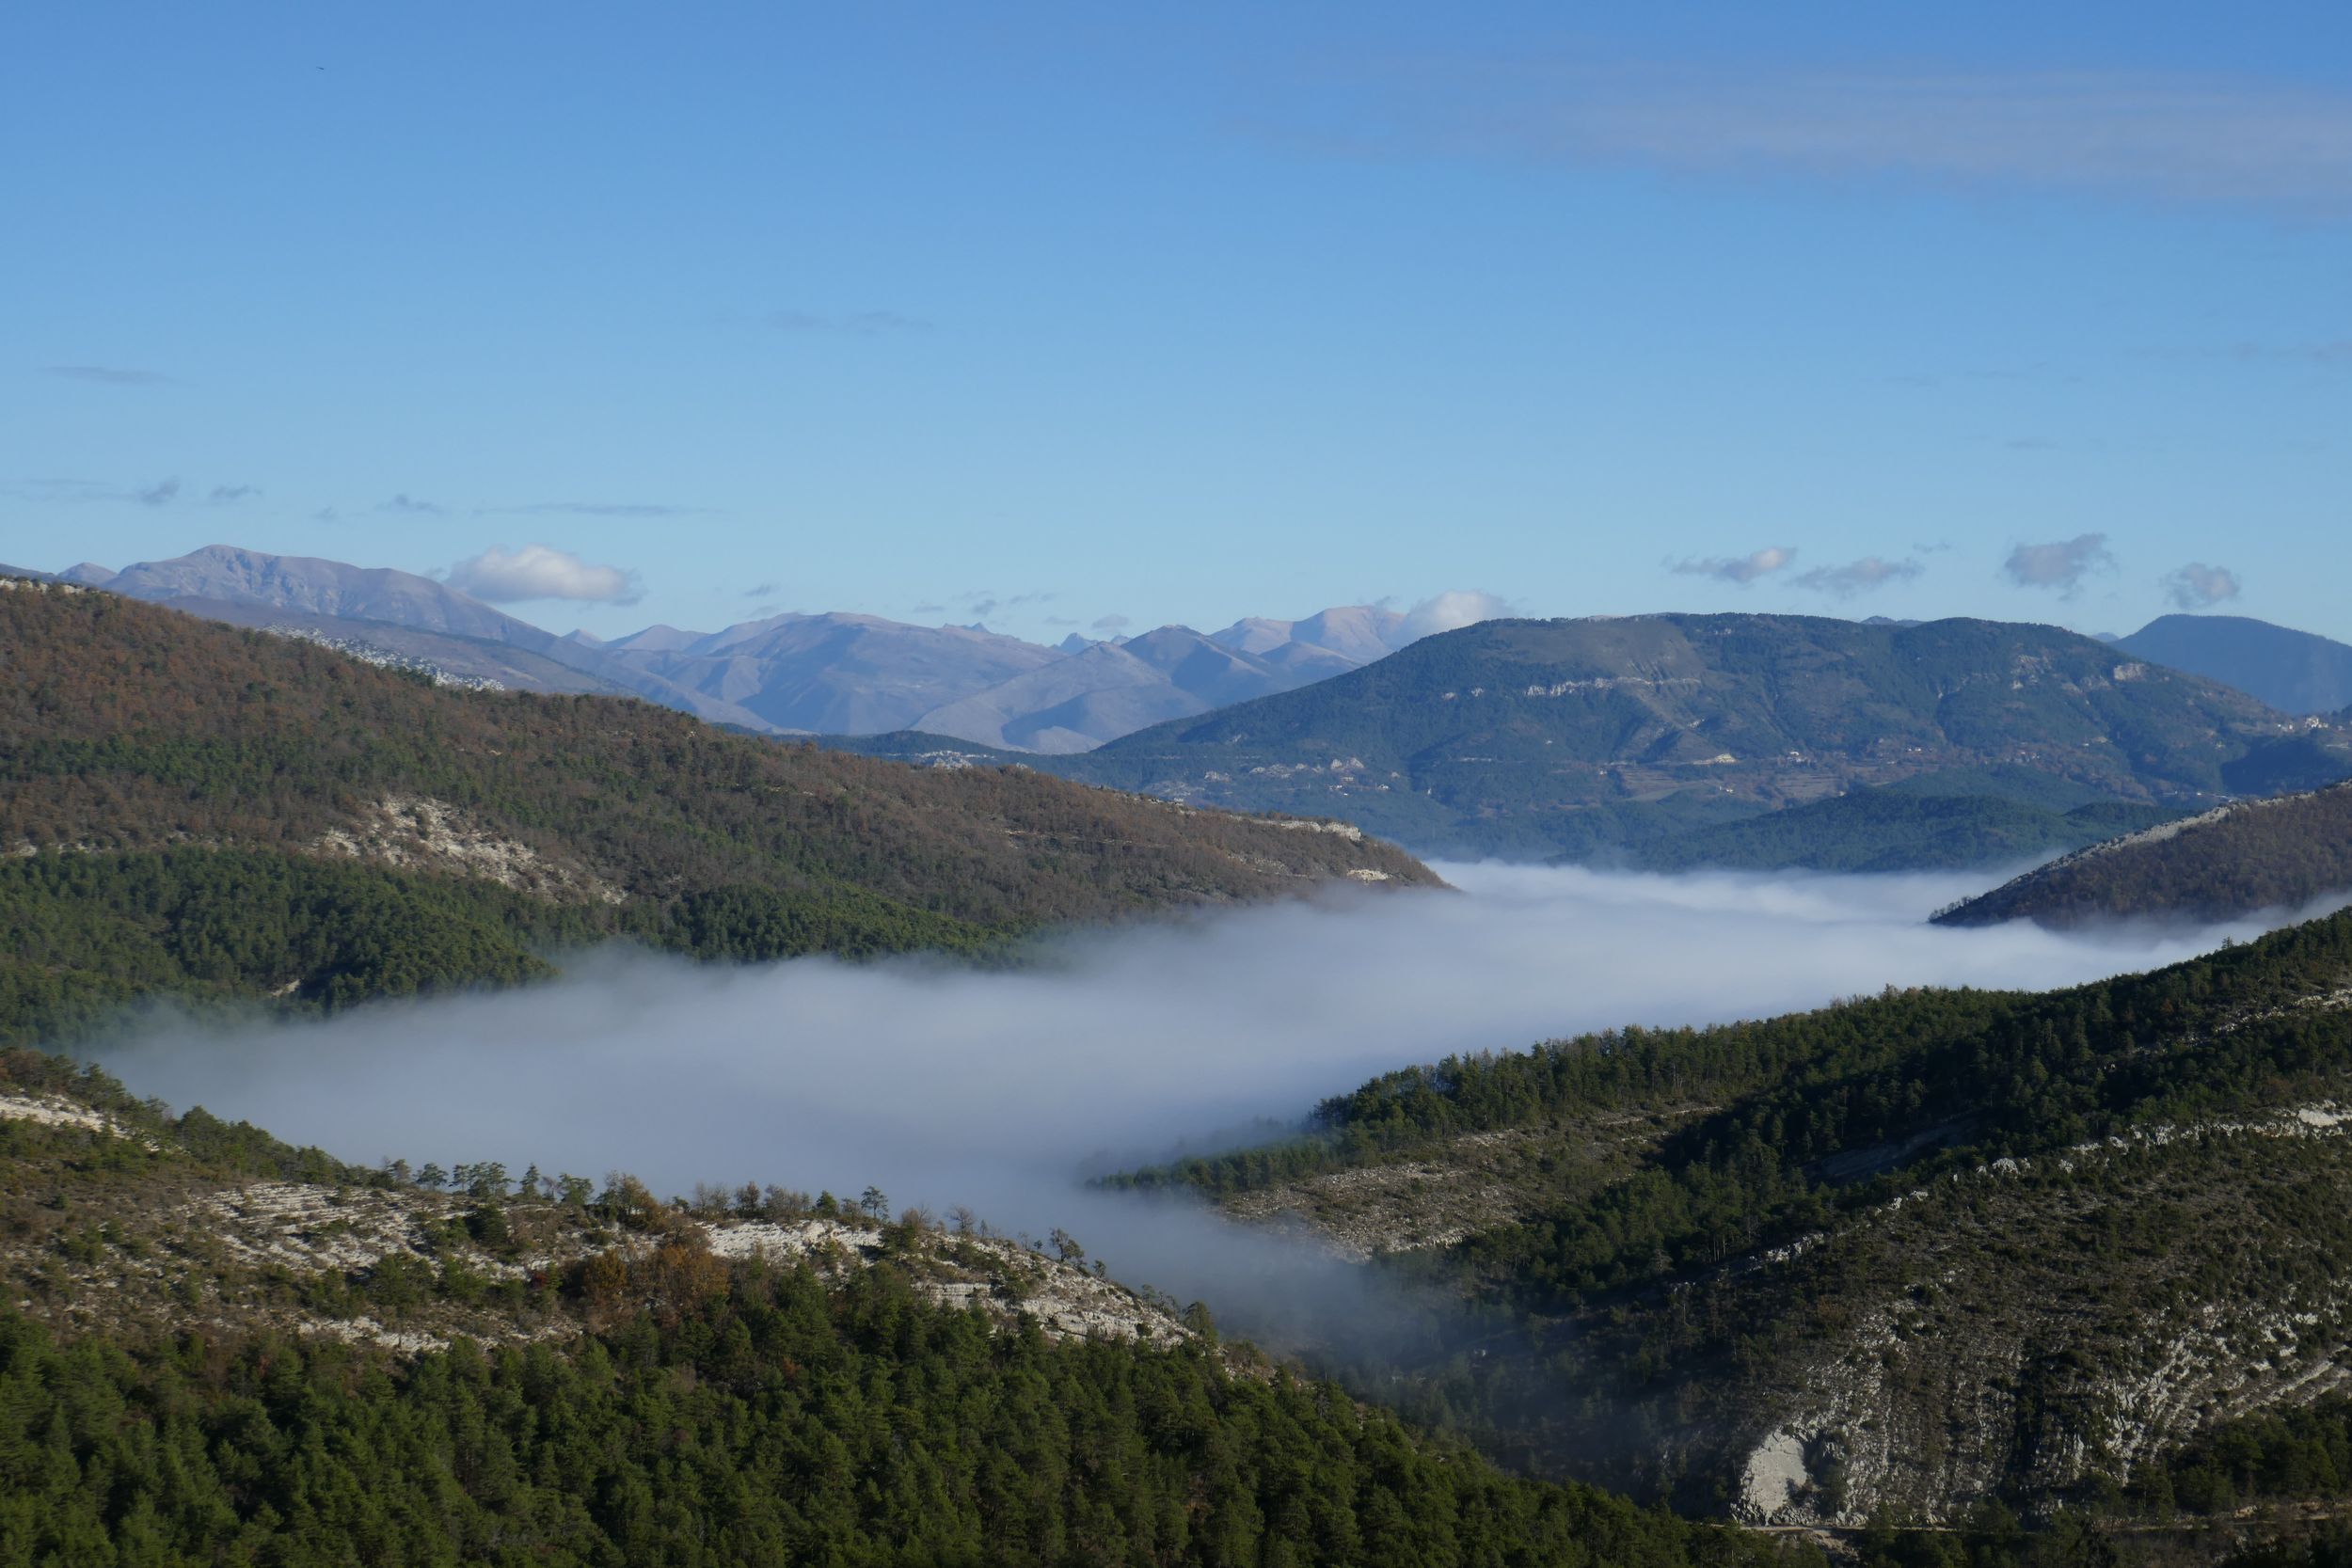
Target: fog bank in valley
x=948 y=1086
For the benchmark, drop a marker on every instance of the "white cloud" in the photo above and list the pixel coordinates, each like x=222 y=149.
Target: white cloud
x=2061 y=565
x=1858 y=576
x=2196 y=586
x=503 y=575
x=1741 y=569
x=1452 y=610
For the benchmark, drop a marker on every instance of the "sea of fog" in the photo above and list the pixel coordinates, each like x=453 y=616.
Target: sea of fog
x=948 y=1085
x=997 y=1089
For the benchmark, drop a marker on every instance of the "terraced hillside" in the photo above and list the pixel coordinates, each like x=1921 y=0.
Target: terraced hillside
x=1911 y=1257
x=189 y=807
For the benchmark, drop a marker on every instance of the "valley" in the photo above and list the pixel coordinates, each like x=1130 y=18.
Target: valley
x=1309 y=786
x=1916 y=1257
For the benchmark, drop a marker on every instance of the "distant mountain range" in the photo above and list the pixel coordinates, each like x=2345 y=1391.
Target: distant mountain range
x=787 y=674
x=1605 y=738
x=1662 y=741
x=2295 y=672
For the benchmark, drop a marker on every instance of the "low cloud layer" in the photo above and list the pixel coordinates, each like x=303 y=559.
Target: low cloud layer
x=1741 y=569
x=1454 y=609
x=503 y=575
x=2061 y=565
x=946 y=1085
x=2196 y=586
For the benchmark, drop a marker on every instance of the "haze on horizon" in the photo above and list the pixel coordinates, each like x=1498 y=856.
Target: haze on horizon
x=1107 y=322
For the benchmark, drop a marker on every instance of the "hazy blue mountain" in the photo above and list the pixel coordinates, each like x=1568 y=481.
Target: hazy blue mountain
x=1357 y=633
x=1586 y=737
x=793 y=673
x=828 y=672
x=379 y=610
x=2295 y=672
x=1104 y=692
x=223 y=574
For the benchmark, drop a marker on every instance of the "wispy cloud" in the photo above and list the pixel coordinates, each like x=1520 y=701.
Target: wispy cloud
x=1857 y=577
x=594 y=509
x=2169 y=137
x=406 y=505
x=229 y=495
x=2061 y=565
x=109 y=375
x=846 y=324
x=984 y=603
x=503 y=575
x=2196 y=586
x=1741 y=569
x=760 y=591
x=161 y=493
x=1111 y=624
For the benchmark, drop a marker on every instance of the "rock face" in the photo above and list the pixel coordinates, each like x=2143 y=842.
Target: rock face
x=2007 y=1351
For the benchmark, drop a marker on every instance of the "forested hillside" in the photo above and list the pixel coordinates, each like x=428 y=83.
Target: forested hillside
x=1934 y=821
x=195 y=808
x=1912 y=1254
x=1600 y=739
x=2253 y=855
x=217 y=1349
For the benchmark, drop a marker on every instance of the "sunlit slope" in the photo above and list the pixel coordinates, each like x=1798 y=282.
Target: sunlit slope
x=1594 y=737
x=2253 y=855
x=215 y=1348
x=192 y=807
x=1907 y=1254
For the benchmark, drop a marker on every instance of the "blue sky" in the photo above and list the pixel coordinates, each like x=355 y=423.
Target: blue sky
x=1089 y=317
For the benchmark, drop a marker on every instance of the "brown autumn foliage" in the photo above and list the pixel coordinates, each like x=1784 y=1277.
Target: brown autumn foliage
x=126 y=725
